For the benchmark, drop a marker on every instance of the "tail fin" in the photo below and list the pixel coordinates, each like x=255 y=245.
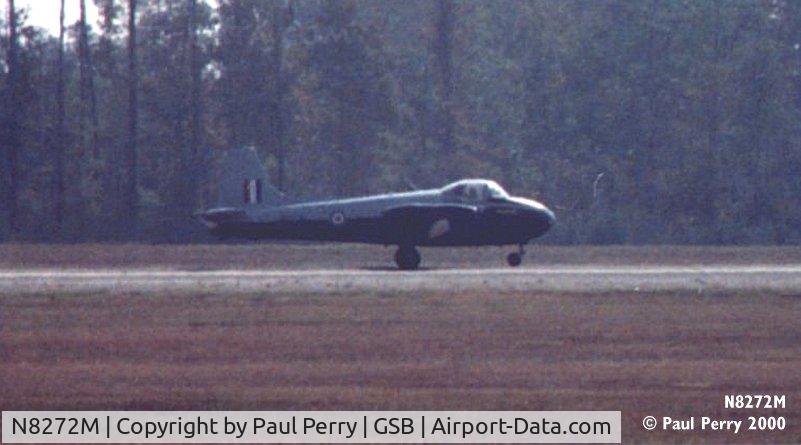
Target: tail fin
x=244 y=181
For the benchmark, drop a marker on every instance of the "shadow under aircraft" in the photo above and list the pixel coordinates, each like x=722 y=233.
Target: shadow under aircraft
x=470 y=212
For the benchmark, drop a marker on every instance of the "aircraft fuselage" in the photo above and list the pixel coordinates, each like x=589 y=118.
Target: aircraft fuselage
x=470 y=212
x=370 y=220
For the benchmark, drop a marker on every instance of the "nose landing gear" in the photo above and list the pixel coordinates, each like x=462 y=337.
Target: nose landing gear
x=515 y=258
x=407 y=258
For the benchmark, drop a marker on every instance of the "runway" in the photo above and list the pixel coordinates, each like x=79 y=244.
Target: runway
x=583 y=278
x=331 y=327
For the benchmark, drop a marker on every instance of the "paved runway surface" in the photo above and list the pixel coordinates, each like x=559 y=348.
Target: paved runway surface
x=584 y=278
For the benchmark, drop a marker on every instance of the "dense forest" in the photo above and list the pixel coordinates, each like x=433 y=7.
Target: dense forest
x=642 y=121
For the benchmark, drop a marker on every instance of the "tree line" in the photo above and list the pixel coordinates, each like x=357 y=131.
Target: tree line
x=638 y=122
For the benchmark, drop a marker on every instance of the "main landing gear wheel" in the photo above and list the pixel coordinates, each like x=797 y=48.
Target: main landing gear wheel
x=515 y=258
x=407 y=258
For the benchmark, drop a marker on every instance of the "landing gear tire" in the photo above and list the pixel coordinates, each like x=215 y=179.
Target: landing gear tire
x=514 y=259
x=407 y=258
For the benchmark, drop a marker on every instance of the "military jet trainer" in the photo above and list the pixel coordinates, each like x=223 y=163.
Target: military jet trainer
x=470 y=212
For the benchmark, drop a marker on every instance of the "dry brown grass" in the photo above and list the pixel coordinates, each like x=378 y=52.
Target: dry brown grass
x=644 y=354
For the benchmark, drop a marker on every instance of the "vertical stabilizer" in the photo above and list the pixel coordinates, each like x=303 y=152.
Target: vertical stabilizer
x=244 y=181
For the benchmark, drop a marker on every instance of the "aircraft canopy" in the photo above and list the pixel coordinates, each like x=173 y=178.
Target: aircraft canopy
x=475 y=190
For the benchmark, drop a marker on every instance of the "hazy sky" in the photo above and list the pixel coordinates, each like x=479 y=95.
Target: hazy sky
x=44 y=13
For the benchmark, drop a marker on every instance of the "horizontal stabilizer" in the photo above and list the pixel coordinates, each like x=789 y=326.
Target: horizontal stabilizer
x=214 y=217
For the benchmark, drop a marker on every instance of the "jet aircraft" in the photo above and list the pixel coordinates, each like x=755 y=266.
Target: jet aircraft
x=470 y=212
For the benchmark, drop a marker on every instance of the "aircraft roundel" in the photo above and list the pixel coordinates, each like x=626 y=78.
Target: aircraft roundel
x=337 y=218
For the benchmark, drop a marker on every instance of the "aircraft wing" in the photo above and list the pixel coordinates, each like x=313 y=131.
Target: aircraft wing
x=420 y=223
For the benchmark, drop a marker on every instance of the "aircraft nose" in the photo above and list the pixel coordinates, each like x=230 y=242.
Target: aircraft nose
x=539 y=219
x=545 y=219
x=550 y=216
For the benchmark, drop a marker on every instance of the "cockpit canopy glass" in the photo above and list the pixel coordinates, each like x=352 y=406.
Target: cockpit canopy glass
x=475 y=190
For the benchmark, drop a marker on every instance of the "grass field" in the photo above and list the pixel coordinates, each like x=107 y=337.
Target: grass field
x=666 y=353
